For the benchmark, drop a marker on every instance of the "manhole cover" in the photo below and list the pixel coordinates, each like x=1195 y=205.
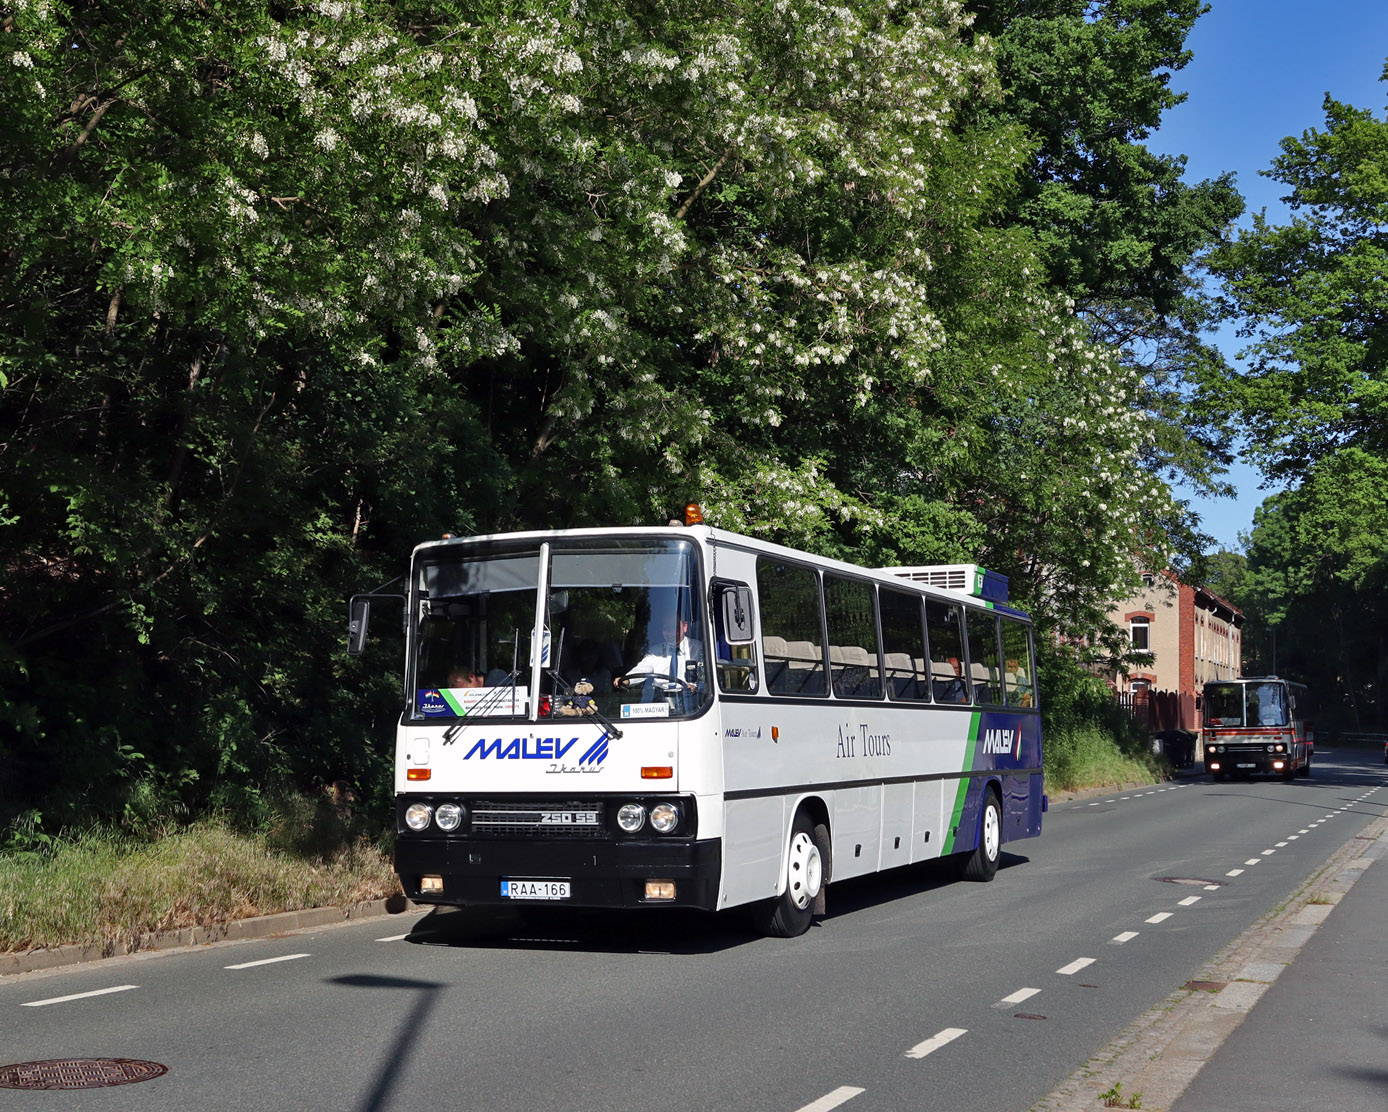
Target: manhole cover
x=78 y=1073
x=1192 y=881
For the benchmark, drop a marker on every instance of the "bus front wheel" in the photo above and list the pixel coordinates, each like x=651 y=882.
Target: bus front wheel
x=982 y=864
x=807 y=858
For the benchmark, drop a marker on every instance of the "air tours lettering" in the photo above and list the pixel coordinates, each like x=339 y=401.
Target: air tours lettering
x=861 y=743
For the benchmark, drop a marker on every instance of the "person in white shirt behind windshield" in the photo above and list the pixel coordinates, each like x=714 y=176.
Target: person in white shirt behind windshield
x=669 y=658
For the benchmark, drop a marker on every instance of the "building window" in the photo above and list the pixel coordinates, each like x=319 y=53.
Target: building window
x=1140 y=629
x=1148 y=579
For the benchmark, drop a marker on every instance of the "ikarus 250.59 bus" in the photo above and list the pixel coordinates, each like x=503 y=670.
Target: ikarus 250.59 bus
x=687 y=717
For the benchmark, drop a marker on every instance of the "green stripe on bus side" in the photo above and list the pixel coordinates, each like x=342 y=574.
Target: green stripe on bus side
x=453 y=703
x=961 y=793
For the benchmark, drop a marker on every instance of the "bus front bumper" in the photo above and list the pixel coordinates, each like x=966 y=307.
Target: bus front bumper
x=463 y=871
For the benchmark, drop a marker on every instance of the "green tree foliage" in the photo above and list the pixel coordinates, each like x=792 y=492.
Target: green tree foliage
x=286 y=287
x=1117 y=228
x=1310 y=298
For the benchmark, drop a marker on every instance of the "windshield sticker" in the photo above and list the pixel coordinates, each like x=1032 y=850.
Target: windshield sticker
x=471 y=702
x=645 y=710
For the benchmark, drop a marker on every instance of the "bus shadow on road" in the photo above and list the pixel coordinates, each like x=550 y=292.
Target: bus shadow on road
x=880 y=889
x=586 y=930
x=664 y=930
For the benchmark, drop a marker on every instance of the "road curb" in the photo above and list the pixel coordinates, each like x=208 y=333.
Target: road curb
x=1159 y=1054
x=234 y=930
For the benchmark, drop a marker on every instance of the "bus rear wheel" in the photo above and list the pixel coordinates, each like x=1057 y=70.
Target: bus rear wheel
x=807 y=858
x=982 y=864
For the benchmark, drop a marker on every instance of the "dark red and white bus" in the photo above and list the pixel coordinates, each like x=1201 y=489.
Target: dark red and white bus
x=1257 y=724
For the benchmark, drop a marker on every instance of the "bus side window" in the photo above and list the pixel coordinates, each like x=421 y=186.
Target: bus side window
x=853 y=643
x=983 y=656
x=790 y=618
x=903 y=642
x=945 y=628
x=1017 y=674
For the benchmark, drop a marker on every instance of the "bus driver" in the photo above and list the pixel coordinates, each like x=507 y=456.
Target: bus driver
x=669 y=658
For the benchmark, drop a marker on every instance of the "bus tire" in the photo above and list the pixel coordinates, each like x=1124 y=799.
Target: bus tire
x=807 y=859
x=982 y=864
x=1306 y=768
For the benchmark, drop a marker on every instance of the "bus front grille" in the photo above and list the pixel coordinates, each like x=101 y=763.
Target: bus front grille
x=546 y=819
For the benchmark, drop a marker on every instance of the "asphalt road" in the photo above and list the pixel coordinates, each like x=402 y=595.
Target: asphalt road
x=915 y=992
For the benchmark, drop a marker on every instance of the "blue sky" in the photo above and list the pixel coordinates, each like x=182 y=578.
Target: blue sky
x=1260 y=73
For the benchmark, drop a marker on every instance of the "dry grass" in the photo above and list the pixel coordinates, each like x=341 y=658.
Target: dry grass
x=105 y=890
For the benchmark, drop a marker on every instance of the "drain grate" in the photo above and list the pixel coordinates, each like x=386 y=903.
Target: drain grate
x=78 y=1073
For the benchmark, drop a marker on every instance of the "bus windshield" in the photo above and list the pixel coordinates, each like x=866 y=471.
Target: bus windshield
x=1245 y=704
x=624 y=616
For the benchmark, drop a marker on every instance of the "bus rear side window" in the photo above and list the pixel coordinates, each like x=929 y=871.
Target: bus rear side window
x=1016 y=654
x=792 y=624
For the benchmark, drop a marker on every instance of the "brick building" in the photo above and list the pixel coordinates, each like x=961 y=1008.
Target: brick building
x=1193 y=636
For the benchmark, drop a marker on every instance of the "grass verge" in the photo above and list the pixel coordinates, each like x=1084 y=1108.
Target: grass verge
x=106 y=889
x=1087 y=755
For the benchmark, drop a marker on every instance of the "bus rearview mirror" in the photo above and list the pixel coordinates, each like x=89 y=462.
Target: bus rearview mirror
x=359 y=620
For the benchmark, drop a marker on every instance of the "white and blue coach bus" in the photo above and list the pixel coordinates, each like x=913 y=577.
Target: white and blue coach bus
x=684 y=716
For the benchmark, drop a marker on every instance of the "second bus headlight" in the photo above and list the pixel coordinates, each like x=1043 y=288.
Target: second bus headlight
x=417 y=816
x=665 y=817
x=630 y=817
x=449 y=816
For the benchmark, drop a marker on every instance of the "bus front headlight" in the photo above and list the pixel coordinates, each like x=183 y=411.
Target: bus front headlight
x=665 y=817
x=417 y=816
x=630 y=817
x=449 y=816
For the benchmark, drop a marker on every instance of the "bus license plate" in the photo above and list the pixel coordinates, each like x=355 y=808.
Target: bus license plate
x=535 y=890
x=1249 y=764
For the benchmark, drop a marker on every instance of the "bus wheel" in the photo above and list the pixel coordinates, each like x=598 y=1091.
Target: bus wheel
x=982 y=864
x=806 y=858
x=1306 y=768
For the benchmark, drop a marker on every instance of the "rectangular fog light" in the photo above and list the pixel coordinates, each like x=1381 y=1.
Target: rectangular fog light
x=431 y=884
x=660 y=889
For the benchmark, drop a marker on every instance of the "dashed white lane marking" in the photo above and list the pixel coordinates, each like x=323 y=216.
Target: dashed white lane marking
x=1281 y=844
x=1190 y=900
x=1234 y=872
x=1290 y=838
x=1253 y=861
x=831 y=1100
x=1126 y=936
x=395 y=937
x=1214 y=887
x=1303 y=831
x=1160 y=917
x=265 y=961
x=1075 y=966
x=932 y=1044
x=1017 y=997
x=1268 y=852
x=79 y=996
